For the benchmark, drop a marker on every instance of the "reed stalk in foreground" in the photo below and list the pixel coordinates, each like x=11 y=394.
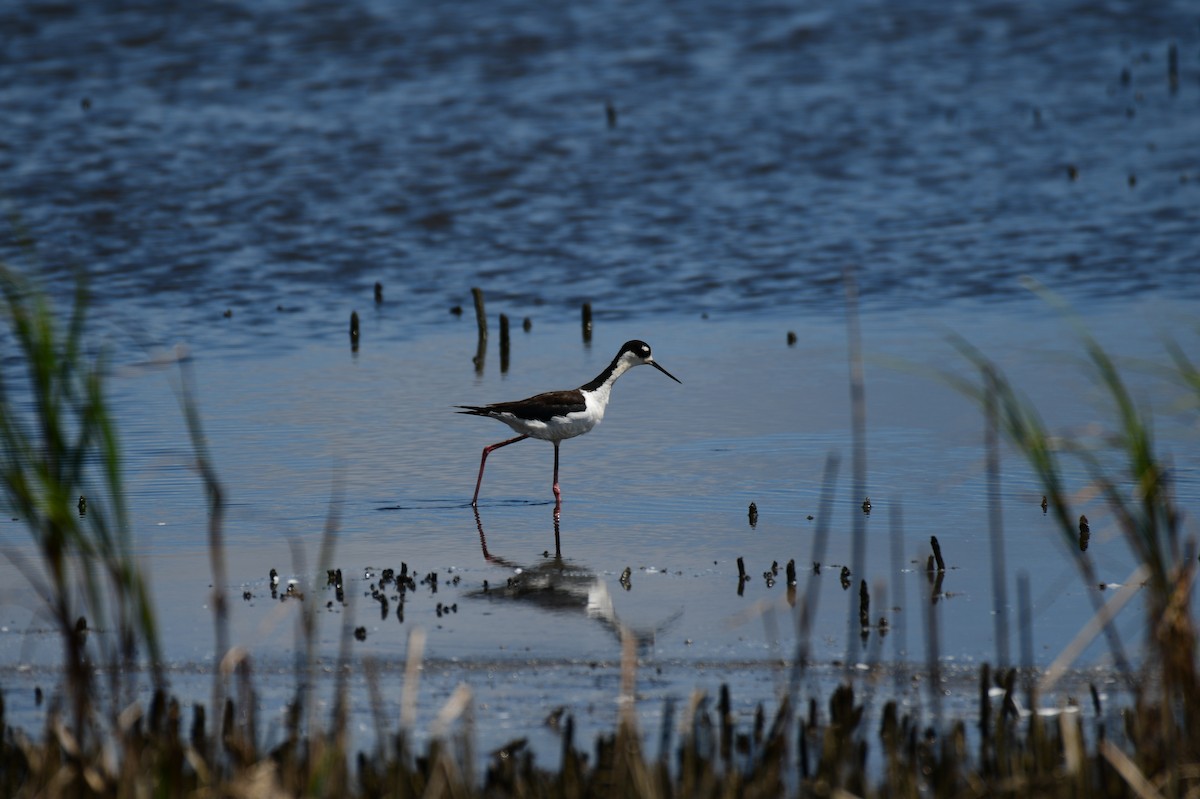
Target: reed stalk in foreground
x=1140 y=497
x=61 y=473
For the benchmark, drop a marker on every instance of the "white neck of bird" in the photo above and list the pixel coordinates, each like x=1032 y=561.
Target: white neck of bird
x=619 y=366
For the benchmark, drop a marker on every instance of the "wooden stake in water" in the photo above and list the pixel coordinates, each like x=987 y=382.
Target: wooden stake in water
x=864 y=605
x=504 y=343
x=587 y=322
x=354 y=331
x=481 y=320
x=937 y=553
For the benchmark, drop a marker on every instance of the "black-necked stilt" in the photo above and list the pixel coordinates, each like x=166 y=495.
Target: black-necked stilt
x=557 y=415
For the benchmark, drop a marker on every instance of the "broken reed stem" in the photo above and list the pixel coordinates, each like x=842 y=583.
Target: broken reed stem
x=933 y=661
x=412 y=677
x=1098 y=623
x=1025 y=617
x=858 y=420
x=995 y=519
x=896 y=537
x=216 y=545
x=807 y=609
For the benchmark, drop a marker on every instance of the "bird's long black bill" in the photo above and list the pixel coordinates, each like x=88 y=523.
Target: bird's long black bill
x=657 y=366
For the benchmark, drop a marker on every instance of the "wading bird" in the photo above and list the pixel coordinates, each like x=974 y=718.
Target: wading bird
x=557 y=415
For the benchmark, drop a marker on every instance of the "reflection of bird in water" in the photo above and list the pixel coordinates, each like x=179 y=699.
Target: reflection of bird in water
x=557 y=415
x=559 y=585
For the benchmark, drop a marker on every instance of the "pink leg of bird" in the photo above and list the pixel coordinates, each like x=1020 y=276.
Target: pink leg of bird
x=557 y=493
x=483 y=462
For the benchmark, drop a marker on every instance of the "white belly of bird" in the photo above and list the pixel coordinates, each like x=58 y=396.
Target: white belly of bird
x=559 y=427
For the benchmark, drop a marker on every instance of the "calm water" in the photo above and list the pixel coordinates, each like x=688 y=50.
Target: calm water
x=235 y=178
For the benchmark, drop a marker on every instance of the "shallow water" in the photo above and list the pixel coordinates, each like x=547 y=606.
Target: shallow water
x=275 y=162
x=259 y=156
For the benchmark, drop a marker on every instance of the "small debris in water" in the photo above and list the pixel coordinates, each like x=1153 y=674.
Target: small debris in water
x=228 y=313
x=1084 y=527
x=1132 y=180
x=37 y=695
x=378 y=292
x=354 y=330
x=610 y=113
x=1045 y=504
x=791 y=338
x=587 y=322
x=456 y=310
x=1072 y=172
x=82 y=505
x=360 y=633
x=1085 y=533
x=527 y=324
x=866 y=506
x=845 y=576
x=753 y=515
x=625 y=575
x=816 y=567
x=809 y=517
x=247 y=596
x=791 y=572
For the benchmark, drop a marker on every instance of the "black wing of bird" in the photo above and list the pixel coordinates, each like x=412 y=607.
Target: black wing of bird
x=542 y=408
